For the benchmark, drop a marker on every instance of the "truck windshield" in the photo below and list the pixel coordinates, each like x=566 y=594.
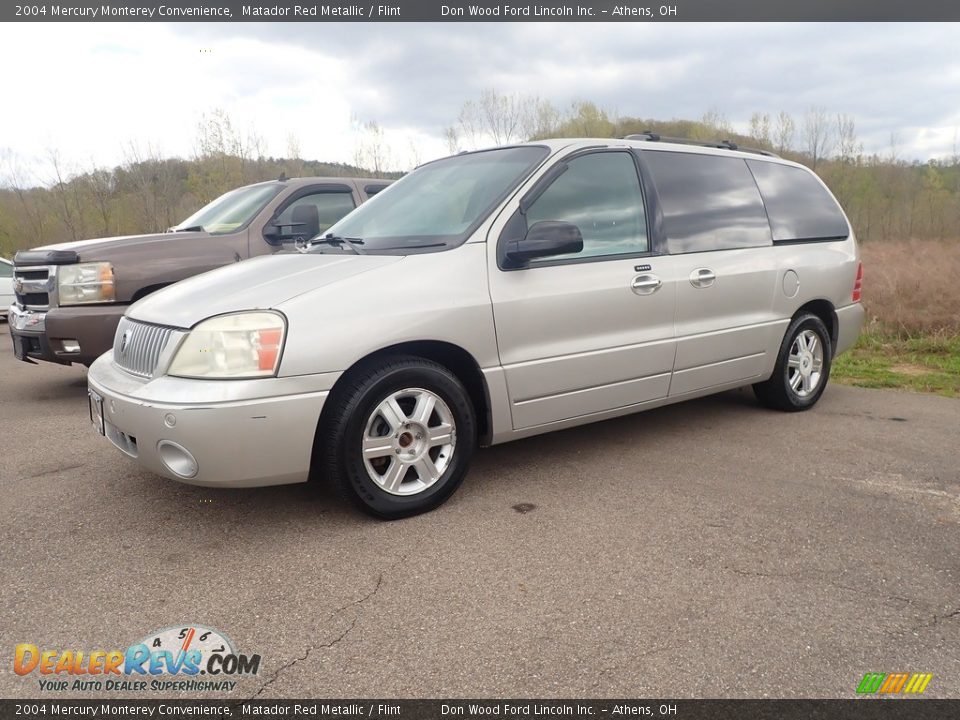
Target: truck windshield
x=231 y=211
x=438 y=205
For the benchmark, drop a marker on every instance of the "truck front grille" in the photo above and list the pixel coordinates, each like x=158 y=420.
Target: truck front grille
x=137 y=346
x=32 y=287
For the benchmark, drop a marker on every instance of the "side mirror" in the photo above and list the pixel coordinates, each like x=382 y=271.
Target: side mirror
x=272 y=233
x=305 y=220
x=545 y=239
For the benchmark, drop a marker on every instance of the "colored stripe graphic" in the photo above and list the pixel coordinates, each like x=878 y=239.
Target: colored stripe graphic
x=918 y=683
x=870 y=683
x=893 y=683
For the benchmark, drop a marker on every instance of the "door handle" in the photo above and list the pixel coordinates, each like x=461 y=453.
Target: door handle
x=645 y=284
x=702 y=277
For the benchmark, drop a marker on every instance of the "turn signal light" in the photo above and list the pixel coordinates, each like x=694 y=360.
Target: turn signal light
x=267 y=344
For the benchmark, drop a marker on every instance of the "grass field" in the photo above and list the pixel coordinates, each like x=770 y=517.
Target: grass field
x=912 y=338
x=921 y=364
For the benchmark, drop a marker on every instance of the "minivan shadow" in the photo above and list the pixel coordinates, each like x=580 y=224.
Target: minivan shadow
x=308 y=503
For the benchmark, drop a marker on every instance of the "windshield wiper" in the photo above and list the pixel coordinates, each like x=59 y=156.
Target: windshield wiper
x=192 y=228
x=334 y=241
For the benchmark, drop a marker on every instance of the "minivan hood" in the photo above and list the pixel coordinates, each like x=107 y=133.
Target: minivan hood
x=257 y=284
x=95 y=248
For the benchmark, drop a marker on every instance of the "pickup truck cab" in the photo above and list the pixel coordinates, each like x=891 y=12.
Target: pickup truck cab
x=70 y=297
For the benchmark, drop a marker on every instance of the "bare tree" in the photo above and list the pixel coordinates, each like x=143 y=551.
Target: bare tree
x=848 y=147
x=501 y=119
x=783 y=134
x=19 y=180
x=452 y=139
x=538 y=118
x=102 y=185
x=715 y=122
x=371 y=150
x=156 y=186
x=66 y=206
x=760 y=128
x=294 y=158
x=817 y=135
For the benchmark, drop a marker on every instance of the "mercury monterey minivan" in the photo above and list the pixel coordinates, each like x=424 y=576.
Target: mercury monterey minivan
x=482 y=298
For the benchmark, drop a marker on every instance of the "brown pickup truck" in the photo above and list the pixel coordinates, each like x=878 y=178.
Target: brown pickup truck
x=69 y=298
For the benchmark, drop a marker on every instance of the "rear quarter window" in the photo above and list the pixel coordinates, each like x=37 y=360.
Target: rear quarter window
x=708 y=202
x=800 y=208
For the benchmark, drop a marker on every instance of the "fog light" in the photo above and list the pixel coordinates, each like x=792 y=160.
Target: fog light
x=71 y=346
x=177 y=459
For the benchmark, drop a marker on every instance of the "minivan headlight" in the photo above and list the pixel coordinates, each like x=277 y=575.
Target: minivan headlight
x=86 y=283
x=241 y=345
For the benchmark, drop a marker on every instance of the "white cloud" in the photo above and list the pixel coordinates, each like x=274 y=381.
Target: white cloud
x=89 y=89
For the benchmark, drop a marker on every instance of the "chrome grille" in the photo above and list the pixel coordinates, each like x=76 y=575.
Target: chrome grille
x=32 y=287
x=137 y=346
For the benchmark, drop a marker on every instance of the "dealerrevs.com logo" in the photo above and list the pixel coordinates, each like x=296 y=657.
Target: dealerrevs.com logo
x=185 y=658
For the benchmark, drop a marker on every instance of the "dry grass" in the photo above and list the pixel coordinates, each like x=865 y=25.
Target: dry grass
x=911 y=288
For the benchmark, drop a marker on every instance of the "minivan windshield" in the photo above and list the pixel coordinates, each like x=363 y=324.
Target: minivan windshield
x=231 y=211
x=438 y=205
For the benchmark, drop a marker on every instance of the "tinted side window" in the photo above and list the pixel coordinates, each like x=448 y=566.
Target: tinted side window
x=799 y=207
x=600 y=194
x=331 y=206
x=708 y=202
x=6 y=270
x=372 y=190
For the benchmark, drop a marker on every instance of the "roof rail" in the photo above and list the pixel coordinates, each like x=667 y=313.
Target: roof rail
x=649 y=136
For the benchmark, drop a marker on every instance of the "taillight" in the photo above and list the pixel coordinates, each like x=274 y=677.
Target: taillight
x=858 y=284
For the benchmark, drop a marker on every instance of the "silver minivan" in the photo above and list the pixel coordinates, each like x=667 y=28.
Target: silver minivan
x=486 y=297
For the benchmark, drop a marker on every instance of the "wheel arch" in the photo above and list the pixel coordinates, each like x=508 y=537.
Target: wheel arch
x=453 y=357
x=824 y=310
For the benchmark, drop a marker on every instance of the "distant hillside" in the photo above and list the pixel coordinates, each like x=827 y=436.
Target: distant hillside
x=144 y=195
x=885 y=197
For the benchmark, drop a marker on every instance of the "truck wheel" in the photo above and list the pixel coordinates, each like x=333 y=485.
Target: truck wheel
x=803 y=367
x=398 y=438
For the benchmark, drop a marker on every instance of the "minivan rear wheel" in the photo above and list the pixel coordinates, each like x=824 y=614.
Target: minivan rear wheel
x=399 y=437
x=803 y=367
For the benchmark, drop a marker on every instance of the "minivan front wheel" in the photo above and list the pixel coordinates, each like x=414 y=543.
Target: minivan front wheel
x=399 y=438
x=803 y=367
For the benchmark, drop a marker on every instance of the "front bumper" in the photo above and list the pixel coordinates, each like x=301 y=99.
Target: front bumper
x=41 y=335
x=240 y=433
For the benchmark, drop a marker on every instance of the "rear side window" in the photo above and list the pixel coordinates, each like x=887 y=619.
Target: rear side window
x=6 y=270
x=799 y=207
x=708 y=202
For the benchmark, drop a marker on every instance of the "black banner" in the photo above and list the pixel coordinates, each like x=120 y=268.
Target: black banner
x=483 y=11
x=853 y=709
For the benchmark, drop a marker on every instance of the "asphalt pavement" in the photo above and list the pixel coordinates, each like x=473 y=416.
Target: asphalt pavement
x=709 y=549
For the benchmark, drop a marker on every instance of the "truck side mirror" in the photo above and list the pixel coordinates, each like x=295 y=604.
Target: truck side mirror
x=305 y=220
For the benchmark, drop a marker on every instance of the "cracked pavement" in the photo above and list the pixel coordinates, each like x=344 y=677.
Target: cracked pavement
x=707 y=549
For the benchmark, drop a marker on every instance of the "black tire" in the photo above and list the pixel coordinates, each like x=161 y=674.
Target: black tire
x=777 y=393
x=338 y=457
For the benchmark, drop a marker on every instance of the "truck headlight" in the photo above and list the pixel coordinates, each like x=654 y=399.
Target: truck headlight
x=241 y=345
x=86 y=283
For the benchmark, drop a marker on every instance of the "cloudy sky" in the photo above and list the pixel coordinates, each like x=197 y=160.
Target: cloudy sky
x=89 y=90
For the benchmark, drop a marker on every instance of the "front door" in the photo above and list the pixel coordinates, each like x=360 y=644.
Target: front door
x=593 y=331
